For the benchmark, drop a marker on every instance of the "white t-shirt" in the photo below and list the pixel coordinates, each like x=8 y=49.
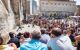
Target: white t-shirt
x=64 y=43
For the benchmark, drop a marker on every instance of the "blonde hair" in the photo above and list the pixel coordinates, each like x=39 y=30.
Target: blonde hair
x=5 y=37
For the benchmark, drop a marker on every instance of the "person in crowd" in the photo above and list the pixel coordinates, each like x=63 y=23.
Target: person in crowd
x=21 y=40
x=44 y=37
x=34 y=44
x=71 y=34
x=54 y=37
x=77 y=38
x=59 y=41
x=19 y=35
x=26 y=37
x=4 y=46
x=14 y=40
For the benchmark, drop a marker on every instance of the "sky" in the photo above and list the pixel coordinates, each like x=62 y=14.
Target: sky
x=78 y=2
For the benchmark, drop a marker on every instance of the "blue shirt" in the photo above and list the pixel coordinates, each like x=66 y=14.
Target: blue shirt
x=62 y=42
x=45 y=38
x=33 y=45
x=52 y=43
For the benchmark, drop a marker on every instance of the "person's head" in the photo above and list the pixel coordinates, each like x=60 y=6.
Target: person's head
x=64 y=31
x=70 y=31
x=56 y=32
x=42 y=31
x=4 y=38
x=19 y=34
x=26 y=35
x=36 y=35
x=1 y=40
x=11 y=34
x=77 y=38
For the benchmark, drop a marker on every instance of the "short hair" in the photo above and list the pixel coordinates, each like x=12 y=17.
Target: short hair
x=42 y=31
x=11 y=34
x=26 y=35
x=56 y=31
x=36 y=35
x=1 y=40
x=19 y=34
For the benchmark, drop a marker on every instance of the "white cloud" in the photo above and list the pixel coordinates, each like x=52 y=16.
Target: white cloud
x=78 y=2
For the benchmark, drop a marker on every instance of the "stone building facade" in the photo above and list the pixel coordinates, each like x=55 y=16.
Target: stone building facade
x=57 y=7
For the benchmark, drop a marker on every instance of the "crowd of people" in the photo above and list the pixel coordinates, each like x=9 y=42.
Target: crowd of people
x=53 y=35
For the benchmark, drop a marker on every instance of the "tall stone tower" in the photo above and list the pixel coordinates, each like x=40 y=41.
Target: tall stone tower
x=16 y=7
